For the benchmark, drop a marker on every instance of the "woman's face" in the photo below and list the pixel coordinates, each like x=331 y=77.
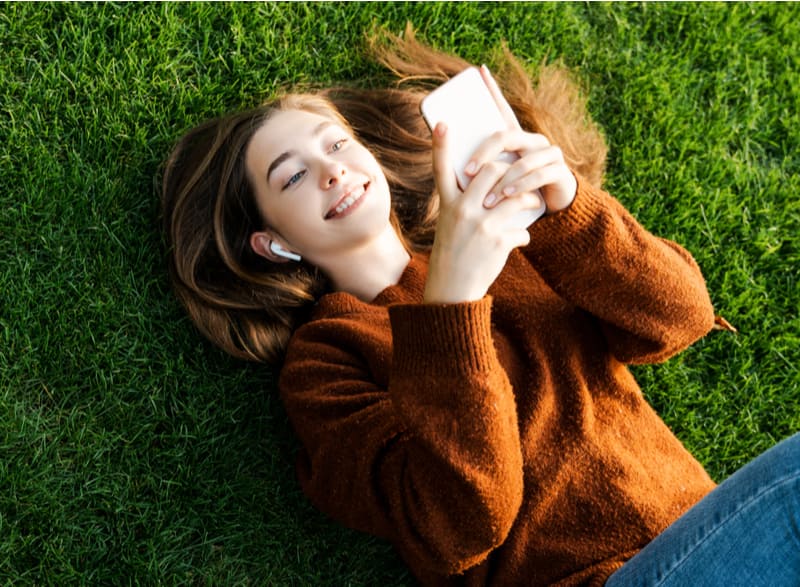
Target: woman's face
x=320 y=191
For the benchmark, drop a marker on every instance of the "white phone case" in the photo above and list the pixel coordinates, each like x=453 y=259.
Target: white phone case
x=466 y=106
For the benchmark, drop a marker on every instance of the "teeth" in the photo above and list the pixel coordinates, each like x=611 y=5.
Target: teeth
x=349 y=201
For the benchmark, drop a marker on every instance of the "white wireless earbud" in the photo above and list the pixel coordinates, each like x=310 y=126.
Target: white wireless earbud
x=281 y=252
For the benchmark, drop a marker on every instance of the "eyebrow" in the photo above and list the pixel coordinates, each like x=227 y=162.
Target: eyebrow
x=286 y=154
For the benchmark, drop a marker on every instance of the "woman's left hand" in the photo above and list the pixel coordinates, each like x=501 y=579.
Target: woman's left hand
x=540 y=166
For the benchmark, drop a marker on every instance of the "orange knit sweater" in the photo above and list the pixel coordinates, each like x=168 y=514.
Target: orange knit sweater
x=504 y=441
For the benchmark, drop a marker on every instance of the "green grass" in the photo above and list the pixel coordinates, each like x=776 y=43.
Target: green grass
x=131 y=451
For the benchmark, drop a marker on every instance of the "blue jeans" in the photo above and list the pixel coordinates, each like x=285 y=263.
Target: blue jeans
x=746 y=532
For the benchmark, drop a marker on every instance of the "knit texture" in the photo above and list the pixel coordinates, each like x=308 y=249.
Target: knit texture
x=504 y=441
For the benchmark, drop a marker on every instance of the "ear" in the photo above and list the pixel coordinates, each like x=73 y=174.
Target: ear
x=270 y=246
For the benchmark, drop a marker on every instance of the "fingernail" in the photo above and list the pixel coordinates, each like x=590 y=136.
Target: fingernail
x=509 y=189
x=441 y=129
x=489 y=200
x=470 y=168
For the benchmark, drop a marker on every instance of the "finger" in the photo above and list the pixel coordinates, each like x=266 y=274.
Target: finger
x=514 y=223
x=443 y=173
x=483 y=185
x=506 y=110
x=508 y=208
x=556 y=184
x=528 y=173
x=517 y=237
x=512 y=141
x=496 y=197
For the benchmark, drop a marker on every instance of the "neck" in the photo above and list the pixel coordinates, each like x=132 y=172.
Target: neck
x=368 y=270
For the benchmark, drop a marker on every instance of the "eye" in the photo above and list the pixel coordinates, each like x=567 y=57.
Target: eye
x=294 y=179
x=338 y=145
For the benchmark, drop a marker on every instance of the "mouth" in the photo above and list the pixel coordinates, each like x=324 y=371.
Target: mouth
x=348 y=202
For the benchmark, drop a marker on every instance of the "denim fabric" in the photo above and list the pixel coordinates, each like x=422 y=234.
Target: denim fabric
x=744 y=533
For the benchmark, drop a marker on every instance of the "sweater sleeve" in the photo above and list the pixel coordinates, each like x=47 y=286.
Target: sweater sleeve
x=431 y=461
x=647 y=292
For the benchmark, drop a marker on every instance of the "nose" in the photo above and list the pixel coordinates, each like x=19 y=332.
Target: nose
x=332 y=173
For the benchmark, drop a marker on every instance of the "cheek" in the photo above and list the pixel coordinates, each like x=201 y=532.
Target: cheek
x=289 y=222
x=379 y=177
x=378 y=170
x=278 y=216
x=297 y=220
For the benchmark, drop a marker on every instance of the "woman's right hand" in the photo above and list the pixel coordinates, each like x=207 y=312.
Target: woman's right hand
x=472 y=242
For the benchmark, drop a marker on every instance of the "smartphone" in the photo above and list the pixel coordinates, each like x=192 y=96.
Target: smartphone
x=466 y=106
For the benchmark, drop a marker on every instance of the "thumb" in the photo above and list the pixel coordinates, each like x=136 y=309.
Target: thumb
x=443 y=173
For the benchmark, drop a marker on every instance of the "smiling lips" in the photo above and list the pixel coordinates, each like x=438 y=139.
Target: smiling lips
x=347 y=201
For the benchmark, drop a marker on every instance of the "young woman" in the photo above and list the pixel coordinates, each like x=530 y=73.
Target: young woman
x=460 y=388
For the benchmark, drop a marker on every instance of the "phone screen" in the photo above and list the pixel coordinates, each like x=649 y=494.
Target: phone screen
x=466 y=106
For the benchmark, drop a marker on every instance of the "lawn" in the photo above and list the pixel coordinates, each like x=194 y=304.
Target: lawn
x=133 y=452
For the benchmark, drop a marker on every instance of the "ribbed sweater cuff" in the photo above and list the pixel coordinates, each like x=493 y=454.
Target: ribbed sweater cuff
x=575 y=231
x=441 y=338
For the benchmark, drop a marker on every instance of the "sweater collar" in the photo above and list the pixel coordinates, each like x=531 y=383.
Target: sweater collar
x=409 y=289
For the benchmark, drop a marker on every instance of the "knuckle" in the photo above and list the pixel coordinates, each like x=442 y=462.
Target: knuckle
x=526 y=165
x=495 y=167
x=535 y=139
x=462 y=213
x=485 y=231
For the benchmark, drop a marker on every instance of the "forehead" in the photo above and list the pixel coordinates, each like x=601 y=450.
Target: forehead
x=296 y=120
x=281 y=132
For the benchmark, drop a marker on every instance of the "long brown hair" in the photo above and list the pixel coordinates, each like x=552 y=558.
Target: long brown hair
x=249 y=306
